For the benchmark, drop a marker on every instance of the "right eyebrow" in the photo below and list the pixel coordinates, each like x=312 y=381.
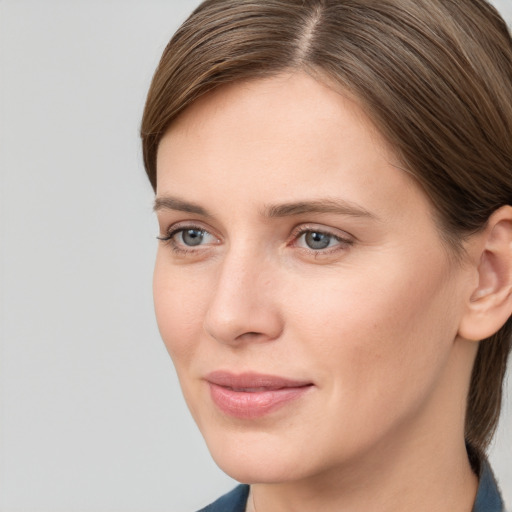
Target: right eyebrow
x=318 y=206
x=173 y=203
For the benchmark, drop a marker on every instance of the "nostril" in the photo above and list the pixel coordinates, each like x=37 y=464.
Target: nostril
x=249 y=335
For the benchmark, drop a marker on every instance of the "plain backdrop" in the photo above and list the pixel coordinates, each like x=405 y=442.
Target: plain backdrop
x=91 y=415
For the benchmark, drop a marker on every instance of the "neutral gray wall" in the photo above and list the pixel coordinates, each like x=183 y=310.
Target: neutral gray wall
x=91 y=416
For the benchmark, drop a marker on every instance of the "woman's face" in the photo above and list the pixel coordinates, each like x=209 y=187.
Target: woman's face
x=303 y=292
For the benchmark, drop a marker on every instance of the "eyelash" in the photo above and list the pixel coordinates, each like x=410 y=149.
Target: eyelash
x=171 y=242
x=343 y=243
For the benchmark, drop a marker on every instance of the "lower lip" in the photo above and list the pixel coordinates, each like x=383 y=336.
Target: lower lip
x=255 y=404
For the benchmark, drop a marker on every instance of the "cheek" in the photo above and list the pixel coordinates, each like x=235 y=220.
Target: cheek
x=379 y=337
x=179 y=306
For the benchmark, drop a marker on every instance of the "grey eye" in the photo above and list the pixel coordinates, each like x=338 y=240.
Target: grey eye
x=316 y=240
x=192 y=237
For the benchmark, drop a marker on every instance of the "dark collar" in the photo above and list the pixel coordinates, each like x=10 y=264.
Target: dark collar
x=488 y=498
x=234 y=501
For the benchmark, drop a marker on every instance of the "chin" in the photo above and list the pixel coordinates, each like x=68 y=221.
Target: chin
x=257 y=469
x=260 y=457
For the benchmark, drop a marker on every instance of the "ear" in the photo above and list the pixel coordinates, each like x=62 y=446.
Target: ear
x=490 y=303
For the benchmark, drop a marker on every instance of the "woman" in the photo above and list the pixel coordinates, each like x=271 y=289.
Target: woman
x=333 y=184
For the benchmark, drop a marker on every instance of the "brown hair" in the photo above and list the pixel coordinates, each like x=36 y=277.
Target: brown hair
x=435 y=76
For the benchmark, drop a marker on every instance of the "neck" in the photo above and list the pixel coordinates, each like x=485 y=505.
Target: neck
x=422 y=466
x=435 y=480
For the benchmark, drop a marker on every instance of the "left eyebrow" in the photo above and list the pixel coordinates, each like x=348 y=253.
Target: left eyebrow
x=174 y=203
x=336 y=206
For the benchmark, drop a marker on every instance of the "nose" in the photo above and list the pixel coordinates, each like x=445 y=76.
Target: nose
x=243 y=306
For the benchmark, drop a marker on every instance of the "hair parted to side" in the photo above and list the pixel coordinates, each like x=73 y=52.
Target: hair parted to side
x=435 y=76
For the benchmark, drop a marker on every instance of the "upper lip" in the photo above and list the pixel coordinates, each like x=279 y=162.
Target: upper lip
x=250 y=380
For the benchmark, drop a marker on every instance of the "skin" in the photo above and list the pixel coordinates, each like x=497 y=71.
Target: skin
x=372 y=321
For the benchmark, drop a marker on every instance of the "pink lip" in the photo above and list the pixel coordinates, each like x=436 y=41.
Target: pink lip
x=252 y=395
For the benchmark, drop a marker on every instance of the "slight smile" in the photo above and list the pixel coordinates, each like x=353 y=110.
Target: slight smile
x=252 y=395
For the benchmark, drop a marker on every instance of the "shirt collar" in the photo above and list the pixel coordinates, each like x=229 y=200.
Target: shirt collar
x=488 y=497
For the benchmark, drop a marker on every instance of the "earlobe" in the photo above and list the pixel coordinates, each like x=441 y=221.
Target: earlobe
x=490 y=303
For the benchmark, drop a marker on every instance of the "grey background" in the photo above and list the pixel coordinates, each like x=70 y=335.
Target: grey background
x=91 y=416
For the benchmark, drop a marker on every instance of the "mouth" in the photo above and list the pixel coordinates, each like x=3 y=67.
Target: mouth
x=252 y=395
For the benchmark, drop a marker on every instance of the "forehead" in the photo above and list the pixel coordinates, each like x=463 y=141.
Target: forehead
x=289 y=97
x=276 y=114
x=291 y=133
